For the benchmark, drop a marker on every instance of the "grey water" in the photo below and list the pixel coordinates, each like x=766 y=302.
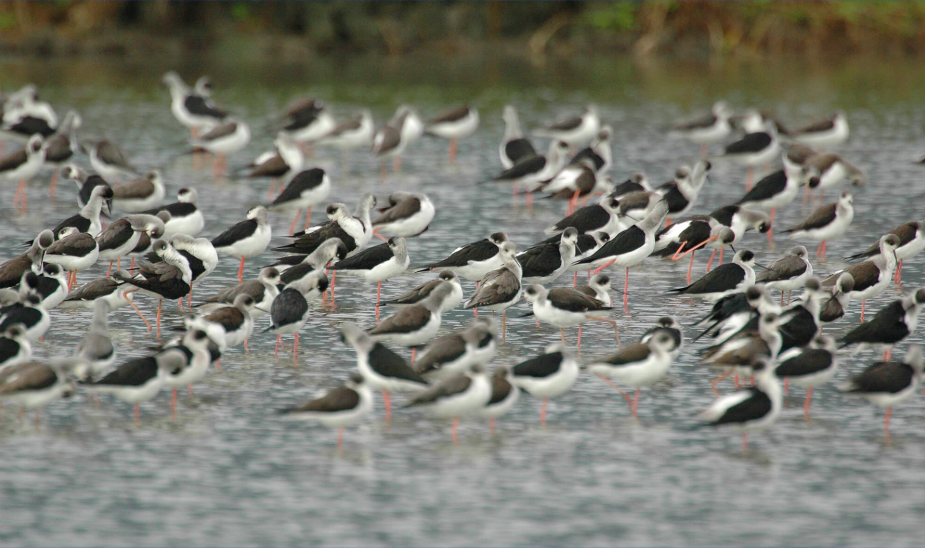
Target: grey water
x=228 y=471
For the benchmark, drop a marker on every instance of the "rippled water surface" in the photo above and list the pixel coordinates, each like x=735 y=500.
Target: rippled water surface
x=228 y=471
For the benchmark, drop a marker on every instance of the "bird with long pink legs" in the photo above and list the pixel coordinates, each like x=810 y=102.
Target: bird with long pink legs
x=886 y=384
x=750 y=410
x=504 y=395
x=631 y=247
x=461 y=395
x=454 y=125
x=500 y=289
x=306 y=189
x=758 y=146
x=549 y=375
x=378 y=264
x=810 y=366
x=911 y=242
x=415 y=324
x=705 y=130
x=289 y=310
x=21 y=166
x=168 y=279
x=381 y=367
x=339 y=407
x=566 y=307
x=637 y=365
x=246 y=239
x=828 y=222
x=872 y=276
x=775 y=191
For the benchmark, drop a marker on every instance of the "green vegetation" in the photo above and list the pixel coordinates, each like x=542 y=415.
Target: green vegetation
x=705 y=29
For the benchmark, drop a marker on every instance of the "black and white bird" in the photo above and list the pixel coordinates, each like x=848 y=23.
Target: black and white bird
x=332 y=250
x=263 y=291
x=378 y=264
x=504 y=395
x=31 y=385
x=631 y=247
x=872 y=276
x=886 y=384
x=415 y=324
x=121 y=237
x=22 y=166
x=773 y=191
x=787 y=273
x=185 y=217
x=637 y=365
x=473 y=261
x=670 y=326
x=598 y=288
x=391 y=140
x=408 y=214
x=889 y=326
x=824 y=133
x=96 y=348
x=192 y=109
x=826 y=223
x=108 y=160
x=198 y=348
x=246 y=239
x=460 y=395
x=531 y=171
x=549 y=375
x=87 y=220
x=12 y=270
x=681 y=194
x=355 y=231
x=599 y=152
x=233 y=323
x=30 y=314
x=289 y=310
x=603 y=217
x=61 y=147
x=141 y=379
x=586 y=245
x=689 y=235
x=514 y=146
x=567 y=307
x=739 y=220
x=307 y=119
x=224 y=140
x=423 y=291
x=14 y=347
x=546 y=261
x=738 y=352
x=500 y=289
x=725 y=279
x=168 y=279
x=139 y=194
x=829 y=169
x=73 y=251
x=52 y=286
x=339 y=407
x=306 y=189
x=750 y=410
x=351 y=134
x=835 y=305
x=84 y=180
x=809 y=366
x=200 y=254
x=454 y=125
x=283 y=162
x=705 y=130
x=575 y=182
x=454 y=353
x=576 y=130
x=25 y=115
x=110 y=289
x=911 y=243
x=758 y=146
x=381 y=367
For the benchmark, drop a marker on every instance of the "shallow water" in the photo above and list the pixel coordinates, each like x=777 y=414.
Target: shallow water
x=228 y=471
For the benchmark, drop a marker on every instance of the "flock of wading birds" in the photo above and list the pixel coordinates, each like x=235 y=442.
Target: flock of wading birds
x=754 y=335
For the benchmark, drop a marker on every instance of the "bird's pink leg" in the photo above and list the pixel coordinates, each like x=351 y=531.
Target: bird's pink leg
x=863 y=303
x=278 y=337
x=455 y=428
x=771 y=229
x=575 y=280
x=308 y=218
x=272 y=191
x=173 y=404
x=635 y=403
x=899 y=269
x=452 y=151
x=886 y=422
x=340 y=439
x=604 y=266
x=108 y=271
x=689 y=267
x=387 y=401
x=704 y=149
x=130 y=302
x=189 y=299
x=491 y=426
x=294 y=220
x=54 y=183
x=378 y=293
x=543 y=411
x=137 y=414
x=745 y=443
x=718 y=379
x=748 y=180
x=241 y=271
x=710 y=263
x=809 y=396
